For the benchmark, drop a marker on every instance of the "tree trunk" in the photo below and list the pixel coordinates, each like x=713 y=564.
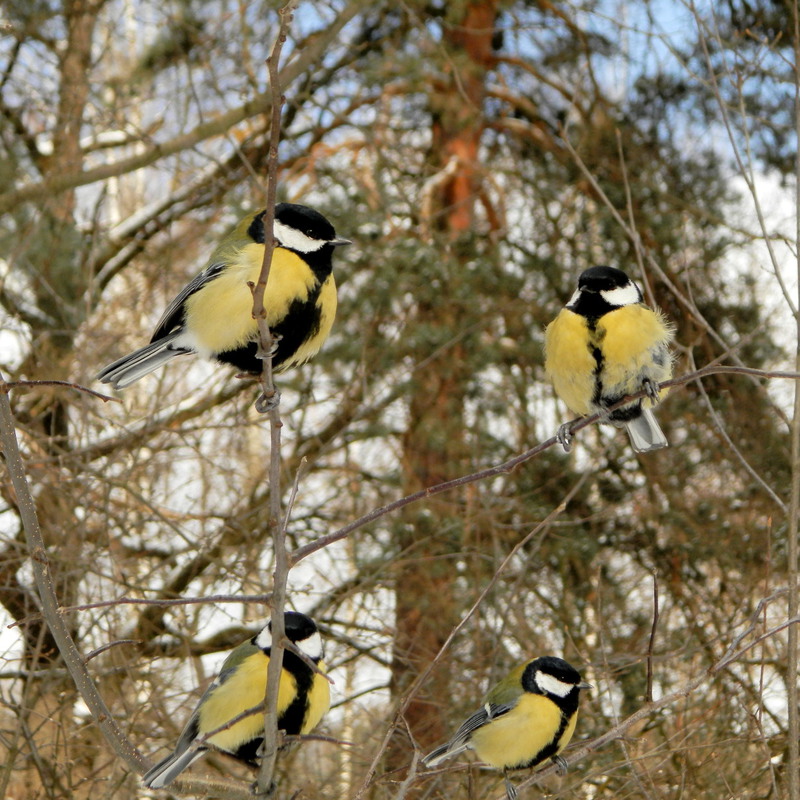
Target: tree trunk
x=434 y=446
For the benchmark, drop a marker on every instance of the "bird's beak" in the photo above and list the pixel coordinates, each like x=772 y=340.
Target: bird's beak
x=584 y=685
x=339 y=242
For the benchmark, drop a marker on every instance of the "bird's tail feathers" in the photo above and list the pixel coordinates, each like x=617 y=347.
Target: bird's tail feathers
x=645 y=433
x=442 y=753
x=130 y=368
x=163 y=773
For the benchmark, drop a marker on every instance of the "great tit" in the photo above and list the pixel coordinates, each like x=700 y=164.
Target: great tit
x=303 y=698
x=213 y=313
x=607 y=344
x=527 y=717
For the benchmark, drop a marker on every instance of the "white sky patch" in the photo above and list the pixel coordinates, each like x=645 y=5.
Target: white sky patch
x=775 y=266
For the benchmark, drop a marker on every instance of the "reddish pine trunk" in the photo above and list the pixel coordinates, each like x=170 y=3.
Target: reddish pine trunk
x=433 y=444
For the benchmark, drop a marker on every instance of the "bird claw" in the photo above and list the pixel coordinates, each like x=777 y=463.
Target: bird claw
x=266 y=403
x=651 y=390
x=274 y=341
x=564 y=436
x=511 y=790
x=271 y=789
x=561 y=765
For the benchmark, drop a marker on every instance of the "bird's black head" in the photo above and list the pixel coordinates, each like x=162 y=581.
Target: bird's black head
x=297 y=228
x=300 y=629
x=602 y=279
x=602 y=289
x=552 y=677
x=298 y=626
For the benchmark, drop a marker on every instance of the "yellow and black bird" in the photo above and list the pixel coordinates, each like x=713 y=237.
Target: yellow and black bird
x=303 y=698
x=528 y=717
x=213 y=314
x=607 y=344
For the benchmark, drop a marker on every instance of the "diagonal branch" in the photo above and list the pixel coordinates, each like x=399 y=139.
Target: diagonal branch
x=512 y=463
x=43 y=576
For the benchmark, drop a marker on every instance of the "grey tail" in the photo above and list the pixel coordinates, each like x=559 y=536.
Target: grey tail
x=644 y=432
x=130 y=368
x=163 y=773
x=441 y=753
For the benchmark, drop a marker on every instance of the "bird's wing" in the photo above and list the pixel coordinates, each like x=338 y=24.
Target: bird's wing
x=173 y=316
x=461 y=739
x=485 y=715
x=228 y=668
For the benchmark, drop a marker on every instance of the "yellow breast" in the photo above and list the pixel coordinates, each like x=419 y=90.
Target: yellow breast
x=630 y=338
x=319 y=701
x=569 y=362
x=220 y=315
x=244 y=689
x=517 y=738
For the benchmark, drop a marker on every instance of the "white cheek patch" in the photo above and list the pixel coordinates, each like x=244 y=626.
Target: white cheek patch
x=264 y=638
x=551 y=685
x=574 y=298
x=296 y=240
x=625 y=295
x=312 y=646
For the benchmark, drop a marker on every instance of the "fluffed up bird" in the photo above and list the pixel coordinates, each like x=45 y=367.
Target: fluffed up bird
x=213 y=314
x=607 y=344
x=528 y=717
x=303 y=698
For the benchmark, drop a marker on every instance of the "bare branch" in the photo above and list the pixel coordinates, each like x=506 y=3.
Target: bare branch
x=7 y=386
x=46 y=587
x=793 y=531
x=270 y=402
x=508 y=466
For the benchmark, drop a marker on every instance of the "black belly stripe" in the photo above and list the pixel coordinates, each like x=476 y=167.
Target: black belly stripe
x=248 y=752
x=301 y=323
x=599 y=361
x=599 y=398
x=295 y=715
x=568 y=706
x=550 y=750
x=293 y=718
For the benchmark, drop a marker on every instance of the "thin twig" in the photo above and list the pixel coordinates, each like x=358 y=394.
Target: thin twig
x=270 y=401
x=7 y=386
x=100 y=650
x=720 y=426
x=793 y=528
x=651 y=643
x=207 y=599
